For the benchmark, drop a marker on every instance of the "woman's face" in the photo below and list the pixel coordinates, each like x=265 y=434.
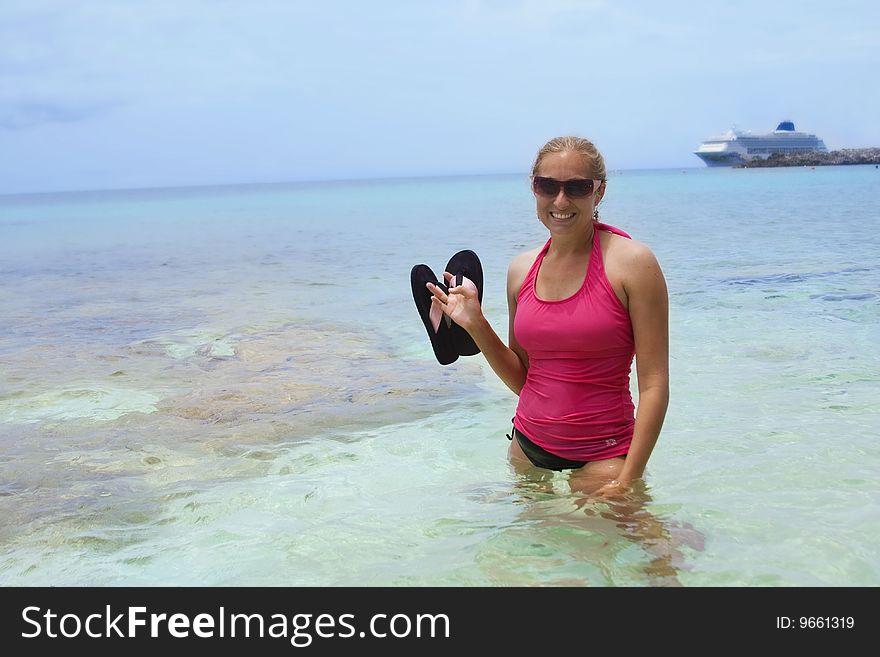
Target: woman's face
x=562 y=214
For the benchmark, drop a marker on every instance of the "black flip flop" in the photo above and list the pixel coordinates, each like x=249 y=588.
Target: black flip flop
x=439 y=328
x=465 y=266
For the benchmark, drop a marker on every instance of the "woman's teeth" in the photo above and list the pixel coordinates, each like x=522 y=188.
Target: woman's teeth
x=560 y=215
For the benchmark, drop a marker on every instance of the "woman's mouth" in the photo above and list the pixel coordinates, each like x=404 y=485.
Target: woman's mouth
x=562 y=215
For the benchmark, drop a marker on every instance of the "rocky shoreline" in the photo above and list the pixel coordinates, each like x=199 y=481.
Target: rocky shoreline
x=843 y=156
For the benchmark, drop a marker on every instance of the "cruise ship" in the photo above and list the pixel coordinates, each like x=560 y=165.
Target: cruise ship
x=739 y=146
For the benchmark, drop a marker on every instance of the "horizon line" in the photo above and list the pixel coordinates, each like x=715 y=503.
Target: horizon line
x=279 y=183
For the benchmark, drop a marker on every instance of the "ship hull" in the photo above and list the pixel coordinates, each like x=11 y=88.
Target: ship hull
x=720 y=159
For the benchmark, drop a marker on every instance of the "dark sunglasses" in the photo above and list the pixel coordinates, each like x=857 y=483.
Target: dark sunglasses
x=577 y=188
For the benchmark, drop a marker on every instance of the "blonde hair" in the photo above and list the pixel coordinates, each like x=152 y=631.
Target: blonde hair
x=587 y=150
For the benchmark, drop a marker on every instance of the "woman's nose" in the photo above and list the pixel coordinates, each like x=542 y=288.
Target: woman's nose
x=561 y=199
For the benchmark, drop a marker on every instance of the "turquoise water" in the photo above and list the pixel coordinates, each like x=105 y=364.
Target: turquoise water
x=231 y=386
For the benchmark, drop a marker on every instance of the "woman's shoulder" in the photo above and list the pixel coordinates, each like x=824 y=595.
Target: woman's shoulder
x=629 y=250
x=519 y=268
x=522 y=262
x=630 y=262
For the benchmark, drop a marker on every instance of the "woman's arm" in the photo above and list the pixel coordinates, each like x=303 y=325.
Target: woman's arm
x=648 y=304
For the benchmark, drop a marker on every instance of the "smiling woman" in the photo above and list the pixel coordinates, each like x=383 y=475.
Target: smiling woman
x=196 y=391
x=580 y=308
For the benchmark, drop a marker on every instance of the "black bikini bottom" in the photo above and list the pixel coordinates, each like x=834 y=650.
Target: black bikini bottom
x=541 y=457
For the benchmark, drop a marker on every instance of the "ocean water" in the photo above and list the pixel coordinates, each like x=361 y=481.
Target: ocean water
x=231 y=386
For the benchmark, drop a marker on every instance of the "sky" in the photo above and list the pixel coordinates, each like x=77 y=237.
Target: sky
x=100 y=94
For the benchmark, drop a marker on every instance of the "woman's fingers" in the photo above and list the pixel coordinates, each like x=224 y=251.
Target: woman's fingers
x=463 y=290
x=439 y=294
x=445 y=299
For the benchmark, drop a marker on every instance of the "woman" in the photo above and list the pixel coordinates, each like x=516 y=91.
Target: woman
x=581 y=307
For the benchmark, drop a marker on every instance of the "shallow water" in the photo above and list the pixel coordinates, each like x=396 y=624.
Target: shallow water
x=231 y=386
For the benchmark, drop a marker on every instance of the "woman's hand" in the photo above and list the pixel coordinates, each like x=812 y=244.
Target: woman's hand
x=461 y=304
x=614 y=488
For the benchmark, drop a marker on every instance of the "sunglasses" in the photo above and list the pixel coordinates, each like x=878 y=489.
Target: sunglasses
x=577 y=188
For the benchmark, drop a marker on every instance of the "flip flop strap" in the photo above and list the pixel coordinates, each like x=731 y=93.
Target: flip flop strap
x=436 y=313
